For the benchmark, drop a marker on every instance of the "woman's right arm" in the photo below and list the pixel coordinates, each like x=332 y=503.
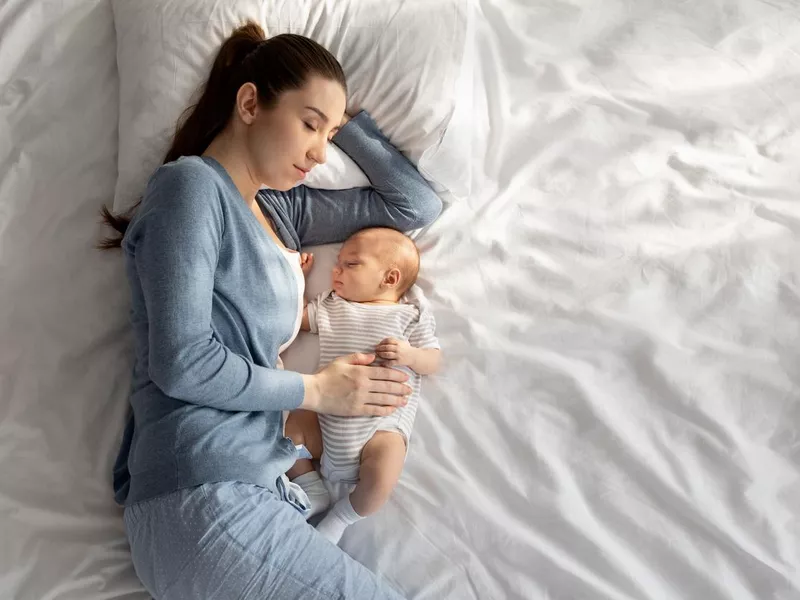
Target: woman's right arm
x=398 y=197
x=175 y=242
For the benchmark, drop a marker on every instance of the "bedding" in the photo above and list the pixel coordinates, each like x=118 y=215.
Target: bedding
x=617 y=300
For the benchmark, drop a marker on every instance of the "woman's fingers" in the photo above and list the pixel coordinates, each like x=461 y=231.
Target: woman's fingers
x=385 y=374
x=386 y=400
x=371 y=410
x=389 y=387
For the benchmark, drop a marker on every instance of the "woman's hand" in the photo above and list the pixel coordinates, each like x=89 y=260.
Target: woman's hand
x=349 y=388
x=345 y=119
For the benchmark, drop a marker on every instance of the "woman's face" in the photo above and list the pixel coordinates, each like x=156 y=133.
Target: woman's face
x=291 y=138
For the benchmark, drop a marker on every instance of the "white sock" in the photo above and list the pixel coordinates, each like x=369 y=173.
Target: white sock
x=315 y=490
x=340 y=516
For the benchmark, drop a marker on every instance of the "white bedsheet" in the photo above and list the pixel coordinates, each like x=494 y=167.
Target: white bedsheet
x=618 y=301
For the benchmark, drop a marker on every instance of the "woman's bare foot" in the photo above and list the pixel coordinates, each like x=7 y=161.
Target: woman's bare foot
x=306 y=262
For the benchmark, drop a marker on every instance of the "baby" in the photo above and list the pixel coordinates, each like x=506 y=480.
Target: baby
x=368 y=311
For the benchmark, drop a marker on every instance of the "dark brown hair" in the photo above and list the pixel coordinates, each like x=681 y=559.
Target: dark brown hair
x=275 y=65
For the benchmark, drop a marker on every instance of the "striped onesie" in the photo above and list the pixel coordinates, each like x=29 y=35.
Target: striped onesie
x=346 y=327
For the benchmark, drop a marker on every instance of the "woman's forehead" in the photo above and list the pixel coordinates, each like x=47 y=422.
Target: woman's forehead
x=324 y=95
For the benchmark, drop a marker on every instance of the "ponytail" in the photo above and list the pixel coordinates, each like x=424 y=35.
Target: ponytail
x=282 y=63
x=201 y=123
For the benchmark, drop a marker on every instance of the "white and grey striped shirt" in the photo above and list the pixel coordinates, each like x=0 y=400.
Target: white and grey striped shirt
x=346 y=327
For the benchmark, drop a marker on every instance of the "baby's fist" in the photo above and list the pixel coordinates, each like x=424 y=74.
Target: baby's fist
x=394 y=352
x=306 y=262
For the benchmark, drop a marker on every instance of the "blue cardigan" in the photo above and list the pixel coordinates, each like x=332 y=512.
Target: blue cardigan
x=213 y=300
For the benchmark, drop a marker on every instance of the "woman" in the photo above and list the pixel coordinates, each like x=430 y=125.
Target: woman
x=216 y=294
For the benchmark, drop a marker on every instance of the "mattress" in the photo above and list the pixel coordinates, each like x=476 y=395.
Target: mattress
x=617 y=299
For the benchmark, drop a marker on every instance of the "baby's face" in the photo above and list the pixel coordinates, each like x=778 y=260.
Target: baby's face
x=358 y=273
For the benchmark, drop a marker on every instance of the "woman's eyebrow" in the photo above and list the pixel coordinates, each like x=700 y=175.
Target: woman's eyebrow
x=319 y=112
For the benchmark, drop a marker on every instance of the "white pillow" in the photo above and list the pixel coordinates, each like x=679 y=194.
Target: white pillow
x=404 y=64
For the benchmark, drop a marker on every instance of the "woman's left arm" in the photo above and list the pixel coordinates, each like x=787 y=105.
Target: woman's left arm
x=399 y=197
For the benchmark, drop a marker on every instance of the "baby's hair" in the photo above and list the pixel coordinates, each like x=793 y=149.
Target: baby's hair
x=403 y=254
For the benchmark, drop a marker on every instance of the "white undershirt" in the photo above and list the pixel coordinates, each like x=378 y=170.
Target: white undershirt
x=294 y=262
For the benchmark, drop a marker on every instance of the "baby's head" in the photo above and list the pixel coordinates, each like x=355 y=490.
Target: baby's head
x=377 y=263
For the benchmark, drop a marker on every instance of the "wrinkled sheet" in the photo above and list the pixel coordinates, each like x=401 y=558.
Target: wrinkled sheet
x=618 y=417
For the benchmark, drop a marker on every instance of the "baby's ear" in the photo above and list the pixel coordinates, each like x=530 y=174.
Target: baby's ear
x=392 y=277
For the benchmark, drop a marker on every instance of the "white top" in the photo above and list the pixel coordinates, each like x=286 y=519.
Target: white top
x=293 y=258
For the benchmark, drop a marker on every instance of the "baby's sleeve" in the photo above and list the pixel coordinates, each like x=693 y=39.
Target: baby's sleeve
x=312 y=308
x=422 y=334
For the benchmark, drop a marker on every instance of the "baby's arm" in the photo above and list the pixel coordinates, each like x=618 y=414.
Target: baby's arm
x=310 y=313
x=306 y=263
x=420 y=353
x=423 y=361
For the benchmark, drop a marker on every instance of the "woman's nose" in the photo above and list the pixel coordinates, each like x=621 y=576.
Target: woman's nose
x=319 y=153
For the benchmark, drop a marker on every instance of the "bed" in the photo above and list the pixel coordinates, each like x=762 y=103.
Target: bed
x=617 y=297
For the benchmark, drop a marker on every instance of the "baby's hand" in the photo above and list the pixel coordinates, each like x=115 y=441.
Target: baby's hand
x=306 y=262
x=395 y=352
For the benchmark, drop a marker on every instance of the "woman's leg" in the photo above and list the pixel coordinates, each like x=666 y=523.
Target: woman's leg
x=302 y=426
x=235 y=540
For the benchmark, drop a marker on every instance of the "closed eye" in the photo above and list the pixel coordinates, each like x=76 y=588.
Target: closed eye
x=309 y=126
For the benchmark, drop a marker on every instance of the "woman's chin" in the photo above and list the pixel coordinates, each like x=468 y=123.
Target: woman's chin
x=282 y=186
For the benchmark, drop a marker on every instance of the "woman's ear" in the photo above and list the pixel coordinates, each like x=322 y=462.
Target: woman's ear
x=392 y=277
x=247 y=102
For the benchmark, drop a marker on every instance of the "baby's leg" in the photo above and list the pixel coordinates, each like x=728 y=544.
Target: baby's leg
x=302 y=426
x=382 y=462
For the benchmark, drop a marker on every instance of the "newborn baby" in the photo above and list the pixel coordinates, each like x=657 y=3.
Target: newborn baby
x=368 y=311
